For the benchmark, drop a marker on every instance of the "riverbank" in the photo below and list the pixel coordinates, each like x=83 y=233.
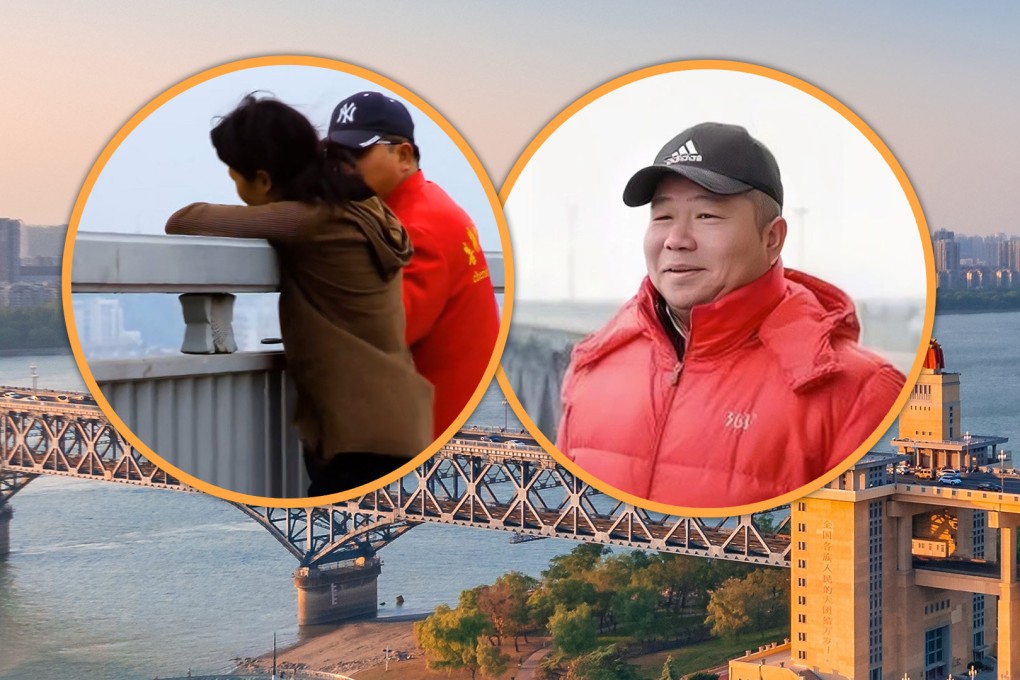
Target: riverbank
x=356 y=649
x=36 y=351
x=346 y=649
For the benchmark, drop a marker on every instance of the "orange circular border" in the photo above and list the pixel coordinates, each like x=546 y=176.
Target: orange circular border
x=231 y=67
x=929 y=261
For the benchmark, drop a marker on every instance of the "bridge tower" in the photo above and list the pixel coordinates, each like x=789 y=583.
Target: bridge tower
x=868 y=599
x=891 y=579
x=931 y=425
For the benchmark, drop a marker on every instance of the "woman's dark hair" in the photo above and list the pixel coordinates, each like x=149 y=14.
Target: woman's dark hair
x=268 y=135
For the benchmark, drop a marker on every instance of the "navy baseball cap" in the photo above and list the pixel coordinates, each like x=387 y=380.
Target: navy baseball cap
x=725 y=159
x=363 y=119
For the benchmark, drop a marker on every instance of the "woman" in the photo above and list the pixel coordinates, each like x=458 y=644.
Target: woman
x=362 y=409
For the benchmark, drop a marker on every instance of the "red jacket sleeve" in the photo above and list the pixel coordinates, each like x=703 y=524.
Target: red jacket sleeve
x=876 y=397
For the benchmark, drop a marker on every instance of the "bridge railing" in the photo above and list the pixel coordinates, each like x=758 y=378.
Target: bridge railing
x=220 y=415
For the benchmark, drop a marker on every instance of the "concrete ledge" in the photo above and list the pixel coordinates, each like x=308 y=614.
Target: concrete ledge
x=135 y=263
x=185 y=365
x=140 y=263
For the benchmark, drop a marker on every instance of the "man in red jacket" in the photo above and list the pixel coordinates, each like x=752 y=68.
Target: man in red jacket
x=727 y=380
x=449 y=301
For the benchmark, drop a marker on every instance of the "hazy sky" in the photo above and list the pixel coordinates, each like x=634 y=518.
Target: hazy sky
x=167 y=161
x=849 y=219
x=936 y=81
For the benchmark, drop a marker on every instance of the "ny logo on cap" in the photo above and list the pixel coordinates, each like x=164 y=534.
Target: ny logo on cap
x=346 y=113
x=685 y=153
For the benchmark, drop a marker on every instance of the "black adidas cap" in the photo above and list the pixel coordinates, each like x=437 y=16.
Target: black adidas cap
x=364 y=118
x=725 y=159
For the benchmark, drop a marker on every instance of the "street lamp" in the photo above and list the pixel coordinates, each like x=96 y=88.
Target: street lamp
x=506 y=405
x=1002 y=472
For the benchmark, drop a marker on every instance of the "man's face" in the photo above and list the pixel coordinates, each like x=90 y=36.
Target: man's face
x=384 y=166
x=699 y=246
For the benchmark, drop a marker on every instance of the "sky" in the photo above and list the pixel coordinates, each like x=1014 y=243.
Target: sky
x=850 y=221
x=937 y=85
x=167 y=161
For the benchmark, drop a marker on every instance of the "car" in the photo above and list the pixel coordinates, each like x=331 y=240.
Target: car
x=923 y=473
x=949 y=472
x=988 y=486
x=950 y=480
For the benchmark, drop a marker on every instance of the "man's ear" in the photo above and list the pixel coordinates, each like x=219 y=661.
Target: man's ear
x=405 y=154
x=775 y=237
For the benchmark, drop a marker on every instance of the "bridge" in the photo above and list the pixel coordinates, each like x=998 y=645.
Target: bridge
x=473 y=482
x=936 y=545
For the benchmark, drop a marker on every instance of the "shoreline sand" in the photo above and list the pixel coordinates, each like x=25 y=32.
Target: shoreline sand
x=350 y=647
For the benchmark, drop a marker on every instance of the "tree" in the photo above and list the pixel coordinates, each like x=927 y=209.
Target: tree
x=505 y=603
x=491 y=661
x=449 y=638
x=759 y=600
x=573 y=630
x=575 y=564
x=670 y=670
x=567 y=592
x=636 y=609
x=604 y=663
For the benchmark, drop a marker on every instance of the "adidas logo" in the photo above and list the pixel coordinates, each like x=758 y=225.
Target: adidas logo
x=684 y=154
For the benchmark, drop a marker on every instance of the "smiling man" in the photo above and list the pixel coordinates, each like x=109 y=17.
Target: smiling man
x=728 y=379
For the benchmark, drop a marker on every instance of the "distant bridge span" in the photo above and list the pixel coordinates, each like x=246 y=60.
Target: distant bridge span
x=471 y=482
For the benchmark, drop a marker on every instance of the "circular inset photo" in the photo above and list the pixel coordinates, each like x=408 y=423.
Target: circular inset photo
x=725 y=288
x=283 y=279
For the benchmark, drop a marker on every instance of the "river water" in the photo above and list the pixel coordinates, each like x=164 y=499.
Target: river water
x=119 y=583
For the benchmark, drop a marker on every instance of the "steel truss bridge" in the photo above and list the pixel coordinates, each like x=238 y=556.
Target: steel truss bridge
x=471 y=482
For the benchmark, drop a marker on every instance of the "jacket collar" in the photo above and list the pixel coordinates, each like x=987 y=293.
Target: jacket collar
x=794 y=315
x=405 y=191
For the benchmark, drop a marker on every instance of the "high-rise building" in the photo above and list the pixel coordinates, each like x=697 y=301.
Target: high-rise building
x=10 y=249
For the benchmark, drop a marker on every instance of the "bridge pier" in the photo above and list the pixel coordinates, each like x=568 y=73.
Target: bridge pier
x=338 y=593
x=6 y=513
x=1008 y=653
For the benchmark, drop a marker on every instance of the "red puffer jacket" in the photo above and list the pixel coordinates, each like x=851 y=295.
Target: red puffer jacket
x=772 y=392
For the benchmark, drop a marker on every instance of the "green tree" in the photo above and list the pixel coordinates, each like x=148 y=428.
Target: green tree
x=727 y=609
x=449 y=638
x=573 y=630
x=491 y=661
x=755 y=602
x=636 y=608
x=604 y=663
x=575 y=564
x=670 y=670
x=567 y=592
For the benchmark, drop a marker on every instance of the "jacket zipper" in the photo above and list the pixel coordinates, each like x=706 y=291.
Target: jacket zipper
x=675 y=385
